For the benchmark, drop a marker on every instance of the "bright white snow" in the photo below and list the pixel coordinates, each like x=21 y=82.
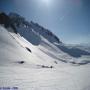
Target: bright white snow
x=31 y=75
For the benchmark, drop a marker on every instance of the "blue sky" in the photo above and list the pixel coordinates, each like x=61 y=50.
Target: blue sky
x=68 y=19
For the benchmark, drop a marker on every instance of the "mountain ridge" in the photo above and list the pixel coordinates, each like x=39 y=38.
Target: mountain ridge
x=33 y=32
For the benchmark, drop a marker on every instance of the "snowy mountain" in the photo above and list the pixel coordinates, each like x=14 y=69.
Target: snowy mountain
x=33 y=58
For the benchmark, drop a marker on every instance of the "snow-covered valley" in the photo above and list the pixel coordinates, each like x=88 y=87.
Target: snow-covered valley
x=35 y=60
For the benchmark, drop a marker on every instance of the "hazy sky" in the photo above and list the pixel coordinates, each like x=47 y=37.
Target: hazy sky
x=68 y=19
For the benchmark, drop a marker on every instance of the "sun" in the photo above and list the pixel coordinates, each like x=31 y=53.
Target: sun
x=46 y=2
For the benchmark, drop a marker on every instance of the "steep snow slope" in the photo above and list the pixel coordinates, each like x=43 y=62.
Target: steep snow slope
x=14 y=48
x=31 y=75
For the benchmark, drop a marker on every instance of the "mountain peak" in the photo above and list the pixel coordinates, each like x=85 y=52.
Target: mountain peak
x=20 y=21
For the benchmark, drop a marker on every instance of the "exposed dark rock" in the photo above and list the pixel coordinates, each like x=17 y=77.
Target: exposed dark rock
x=6 y=21
x=43 y=66
x=21 y=62
x=28 y=49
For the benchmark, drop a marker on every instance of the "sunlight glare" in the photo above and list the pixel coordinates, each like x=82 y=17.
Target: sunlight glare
x=47 y=2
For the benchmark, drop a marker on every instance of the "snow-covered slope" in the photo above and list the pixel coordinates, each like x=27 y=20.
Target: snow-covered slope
x=35 y=59
x=39 y=36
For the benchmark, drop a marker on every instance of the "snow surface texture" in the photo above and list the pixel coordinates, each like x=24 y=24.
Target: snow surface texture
x=35 y=59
